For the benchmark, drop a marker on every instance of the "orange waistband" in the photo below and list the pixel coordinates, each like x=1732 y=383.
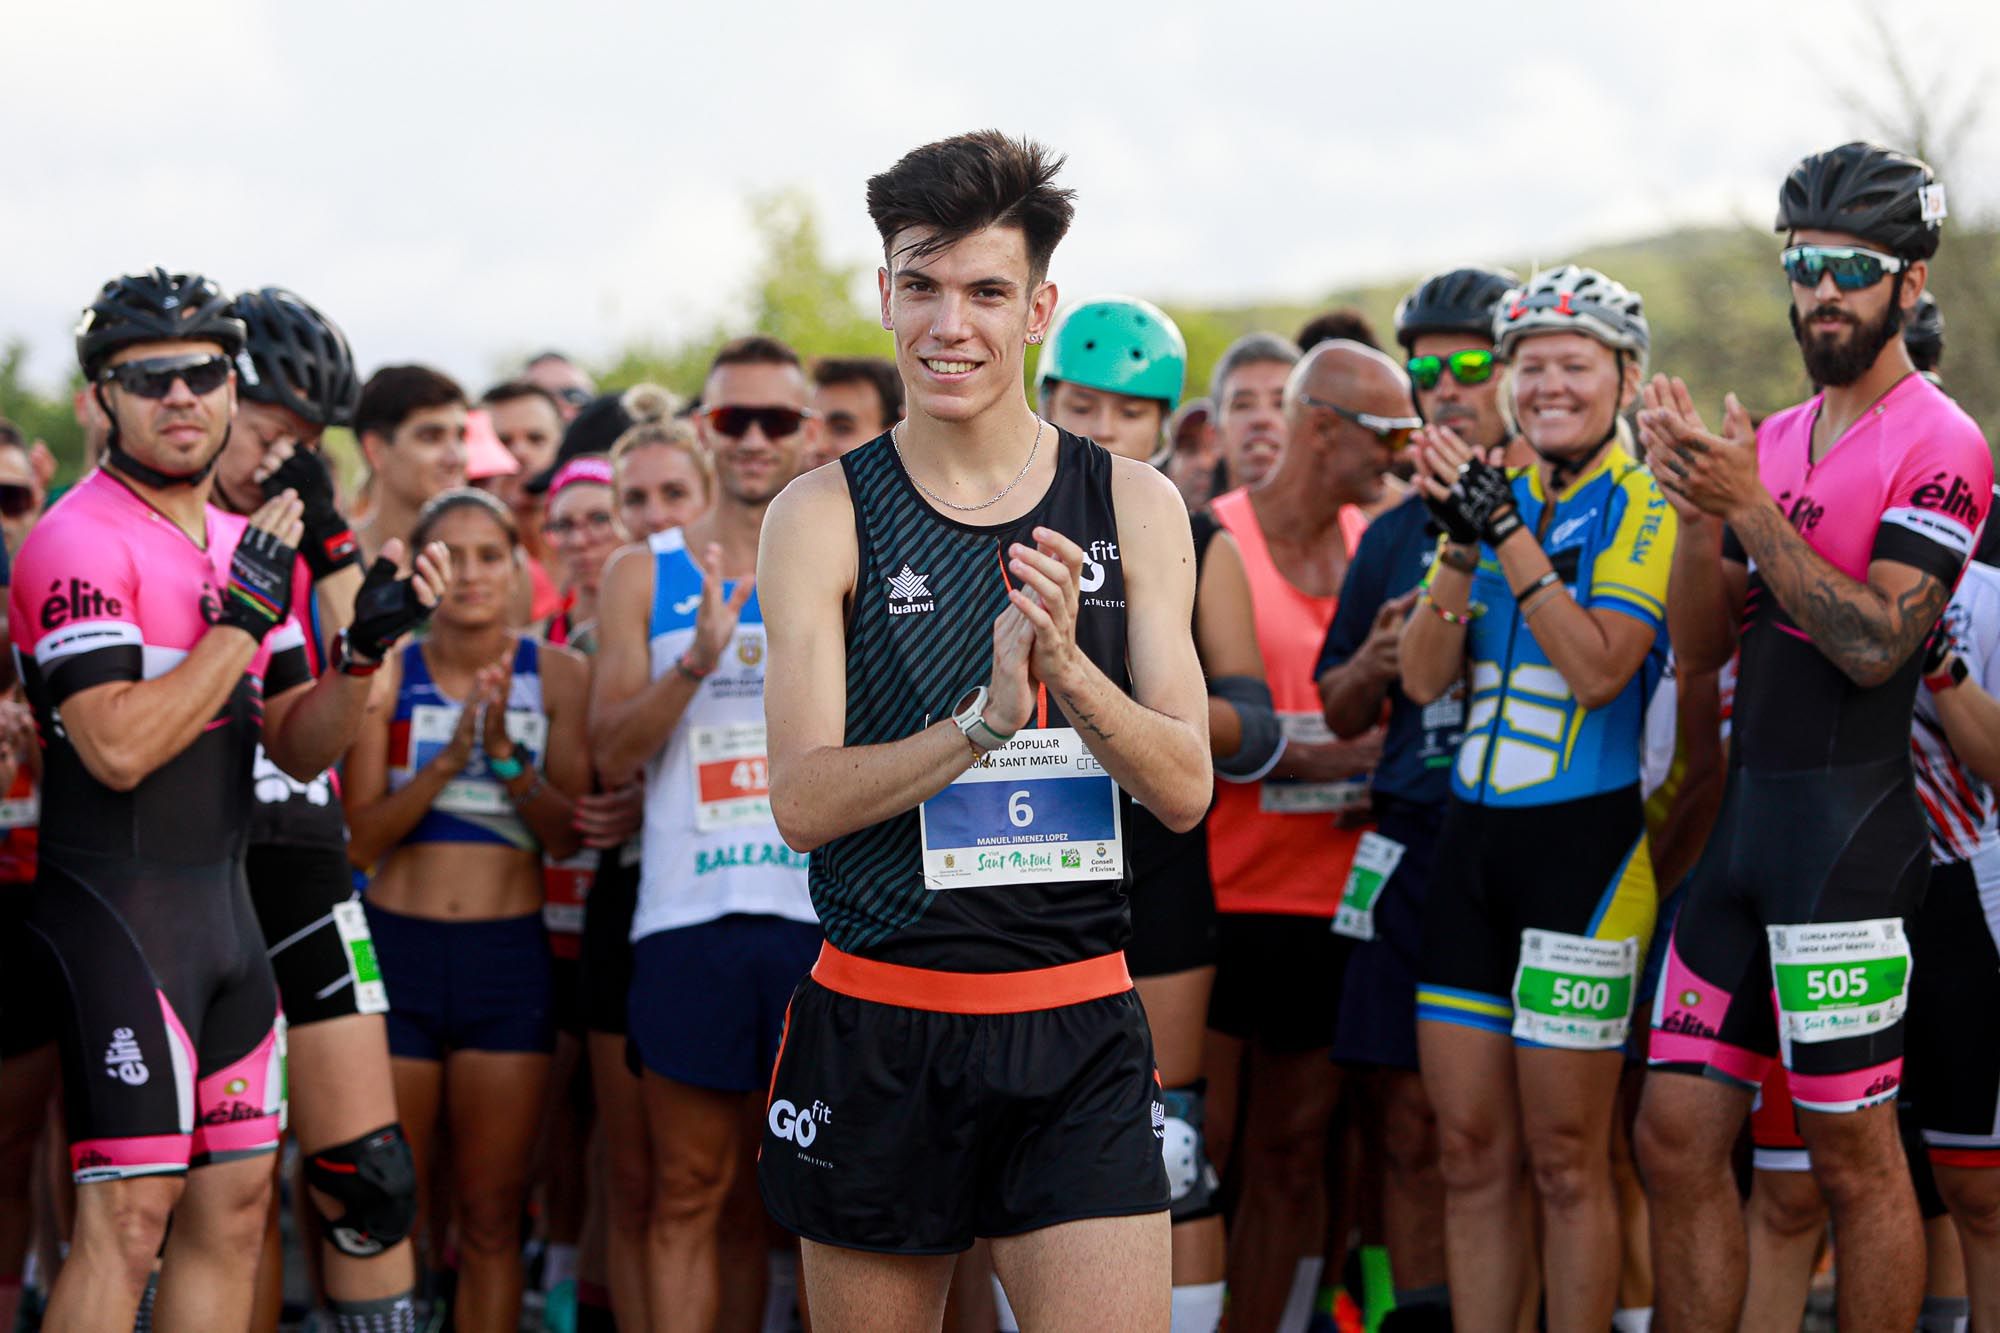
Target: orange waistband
x=971 y=992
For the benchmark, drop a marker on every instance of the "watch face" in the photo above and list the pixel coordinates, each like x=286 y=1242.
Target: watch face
x=965 y=701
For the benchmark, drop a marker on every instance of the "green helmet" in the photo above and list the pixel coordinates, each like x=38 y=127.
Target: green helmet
x=1117 y=344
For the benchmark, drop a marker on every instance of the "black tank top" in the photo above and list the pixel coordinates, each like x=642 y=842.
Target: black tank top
x=919 y=638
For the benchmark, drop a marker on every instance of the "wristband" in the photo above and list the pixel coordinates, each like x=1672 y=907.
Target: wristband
x=505 y=767
x=1540 y=600
x=347 y=664
x=1448 y=617
x=1954 y=674
x=687 y=668
x=1539 y=584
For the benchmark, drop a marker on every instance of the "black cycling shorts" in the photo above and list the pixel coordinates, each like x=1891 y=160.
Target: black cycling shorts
x=1804 y=889
x=1278 y=979
x=172 y=1041
x=1513 y=884
x=607 y=943
x=1951 y=1073
x=913 y=1130
x=315 y=932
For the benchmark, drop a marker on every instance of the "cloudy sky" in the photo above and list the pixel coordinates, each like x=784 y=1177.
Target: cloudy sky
x=461 y=183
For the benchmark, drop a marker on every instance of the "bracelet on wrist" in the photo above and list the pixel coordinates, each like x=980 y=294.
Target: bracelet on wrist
x=1544 y=581
x=527 y=793
x=1449 y=617
x=1538 y=601
x=505 y=767
x=685 y=665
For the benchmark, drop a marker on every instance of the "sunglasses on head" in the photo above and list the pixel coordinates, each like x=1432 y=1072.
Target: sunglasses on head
x=15 y=499
x=775 y=422
x=1392 y=431
x=1473 y=365
x=1852 y=267
x=154 y=376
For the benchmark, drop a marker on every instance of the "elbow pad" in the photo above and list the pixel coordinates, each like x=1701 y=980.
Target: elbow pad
x=1262 y=740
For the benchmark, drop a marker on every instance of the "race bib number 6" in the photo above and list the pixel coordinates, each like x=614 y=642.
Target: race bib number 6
x=1574 y=992
x=1039 y=808
x=1849 y=979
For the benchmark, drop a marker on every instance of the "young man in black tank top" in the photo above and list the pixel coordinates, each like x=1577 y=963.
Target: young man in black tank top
x=968 y=1058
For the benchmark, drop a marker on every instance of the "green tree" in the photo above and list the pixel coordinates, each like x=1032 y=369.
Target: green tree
x=40 y=416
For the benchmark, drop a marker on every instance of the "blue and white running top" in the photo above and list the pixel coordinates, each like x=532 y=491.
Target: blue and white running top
x=711 y=846
x=474 y=806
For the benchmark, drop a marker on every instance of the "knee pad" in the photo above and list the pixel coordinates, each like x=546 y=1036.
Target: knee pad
x=374 y=1180
x=1191 y=1180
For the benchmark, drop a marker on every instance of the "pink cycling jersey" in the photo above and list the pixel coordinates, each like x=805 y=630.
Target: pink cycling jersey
x=173 y=1043
x=1909 y=482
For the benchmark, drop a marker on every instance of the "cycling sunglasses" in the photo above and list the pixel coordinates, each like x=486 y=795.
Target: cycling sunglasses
x=775 y=422
x=1391 y=431
x=1852 y=267
x=1473 y=365
x=154 y=376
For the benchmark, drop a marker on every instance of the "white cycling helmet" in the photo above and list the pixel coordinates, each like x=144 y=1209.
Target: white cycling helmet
x=1573 y=299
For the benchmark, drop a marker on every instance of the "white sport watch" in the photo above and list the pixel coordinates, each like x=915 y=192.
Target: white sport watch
x=972 y=724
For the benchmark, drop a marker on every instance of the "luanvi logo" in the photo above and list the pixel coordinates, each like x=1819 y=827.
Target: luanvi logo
x=910 y=591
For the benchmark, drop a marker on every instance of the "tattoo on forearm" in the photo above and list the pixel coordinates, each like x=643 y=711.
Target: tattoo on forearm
x=1083 y=719
x=1849 y=621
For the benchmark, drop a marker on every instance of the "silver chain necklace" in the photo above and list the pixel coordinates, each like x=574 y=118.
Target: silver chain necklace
x=897 y=444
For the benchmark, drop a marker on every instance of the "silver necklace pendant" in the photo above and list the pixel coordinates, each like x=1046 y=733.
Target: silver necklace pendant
x=896 y=443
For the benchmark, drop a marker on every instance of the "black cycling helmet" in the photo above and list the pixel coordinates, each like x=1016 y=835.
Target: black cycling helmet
x=1460 y=300
x=1889 y=199
x=154 y=307
x=295 y=358
x=1924 y=334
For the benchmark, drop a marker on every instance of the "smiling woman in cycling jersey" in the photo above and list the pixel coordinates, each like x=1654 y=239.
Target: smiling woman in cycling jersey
x=1549 y=592
x=464 y=775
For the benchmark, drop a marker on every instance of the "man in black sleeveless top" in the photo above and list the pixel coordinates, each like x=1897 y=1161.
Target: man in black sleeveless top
x=979 y=632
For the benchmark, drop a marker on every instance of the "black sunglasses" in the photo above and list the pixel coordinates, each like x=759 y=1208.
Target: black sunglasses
x=1392 y=431
x=15 y=500
x=775 y=422
x=154 y=376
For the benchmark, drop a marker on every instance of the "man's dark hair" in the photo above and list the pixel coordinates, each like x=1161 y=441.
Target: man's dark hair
x=514 y=390
x=755 y=350
x=550 y=355
x=394 y=393
x=873 y=370
x=1345 y=322
x=965 y=184
x=10 y=434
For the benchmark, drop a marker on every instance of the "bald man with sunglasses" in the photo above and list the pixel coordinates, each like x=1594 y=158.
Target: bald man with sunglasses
x=1279 y=849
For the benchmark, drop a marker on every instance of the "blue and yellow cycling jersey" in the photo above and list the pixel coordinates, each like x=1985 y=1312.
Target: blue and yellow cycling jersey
x=1527 y=740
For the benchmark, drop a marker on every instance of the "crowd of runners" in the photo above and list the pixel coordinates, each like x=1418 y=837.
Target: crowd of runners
x=1452 y=834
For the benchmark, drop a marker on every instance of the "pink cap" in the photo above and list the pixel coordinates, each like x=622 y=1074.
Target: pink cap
x=589 y=469
x=485 y=456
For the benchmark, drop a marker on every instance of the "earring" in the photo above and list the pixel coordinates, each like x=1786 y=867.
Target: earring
x=1034 y=337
